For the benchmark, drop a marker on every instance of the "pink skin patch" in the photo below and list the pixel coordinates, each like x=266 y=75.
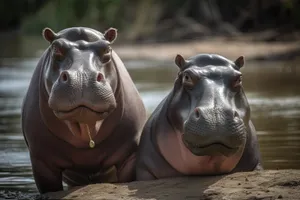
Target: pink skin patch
x=99 y=77
x=185 y=162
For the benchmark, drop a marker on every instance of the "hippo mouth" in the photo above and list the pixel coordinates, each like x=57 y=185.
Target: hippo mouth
x=82 y=114
x=211 y=149
x=86 y=132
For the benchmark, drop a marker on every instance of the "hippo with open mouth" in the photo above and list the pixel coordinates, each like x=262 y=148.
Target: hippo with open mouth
x=203 y=126
x=82 y=115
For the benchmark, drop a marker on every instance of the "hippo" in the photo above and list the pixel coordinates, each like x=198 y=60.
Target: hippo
x=82 y=115
x=203 y=126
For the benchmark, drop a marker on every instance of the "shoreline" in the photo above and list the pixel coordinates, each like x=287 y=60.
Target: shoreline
x=230 y=48
x=265 y=184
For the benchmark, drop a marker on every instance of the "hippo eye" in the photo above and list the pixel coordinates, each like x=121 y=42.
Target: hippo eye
x=187 y=77
x=187 y=80
x=57 y=52
x=105 y=50
x=237 y=81
x=104 y=54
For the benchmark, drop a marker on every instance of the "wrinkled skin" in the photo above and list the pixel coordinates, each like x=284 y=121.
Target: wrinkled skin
x=203 y=126
x=81 y=91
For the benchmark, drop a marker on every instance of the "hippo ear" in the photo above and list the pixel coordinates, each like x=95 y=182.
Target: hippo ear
x=111 y=34
x=49 y=35
x=240 y=62
x=180 y=61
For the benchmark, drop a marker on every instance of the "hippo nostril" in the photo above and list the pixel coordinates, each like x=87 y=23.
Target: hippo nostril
x=236 y=114
x=197 y=113
x=99 y=77
x=64 y=76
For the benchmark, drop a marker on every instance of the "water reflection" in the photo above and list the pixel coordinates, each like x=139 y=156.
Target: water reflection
x=273 y=94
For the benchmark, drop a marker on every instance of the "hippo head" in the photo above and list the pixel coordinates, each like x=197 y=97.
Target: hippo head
x=80 y=77
x=209 y=107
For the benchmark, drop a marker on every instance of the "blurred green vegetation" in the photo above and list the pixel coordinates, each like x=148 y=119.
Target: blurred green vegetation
x=139 y=19
x=293 y=6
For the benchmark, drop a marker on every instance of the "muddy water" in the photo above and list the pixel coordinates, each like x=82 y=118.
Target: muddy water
x=273 y=91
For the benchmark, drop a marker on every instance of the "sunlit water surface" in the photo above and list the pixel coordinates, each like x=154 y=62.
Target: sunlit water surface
x=272 y=88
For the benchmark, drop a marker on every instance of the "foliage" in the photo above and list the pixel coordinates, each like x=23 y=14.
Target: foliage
x=293 y=7
x=136 y=17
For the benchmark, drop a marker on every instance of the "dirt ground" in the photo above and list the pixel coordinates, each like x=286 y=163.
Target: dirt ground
x=230 y=48
x=263 y=185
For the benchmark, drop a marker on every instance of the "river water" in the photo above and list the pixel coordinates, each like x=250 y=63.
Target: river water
x=272 y=88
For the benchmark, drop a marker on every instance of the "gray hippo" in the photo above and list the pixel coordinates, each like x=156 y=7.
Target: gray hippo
x=203 y=126
x=82 y=115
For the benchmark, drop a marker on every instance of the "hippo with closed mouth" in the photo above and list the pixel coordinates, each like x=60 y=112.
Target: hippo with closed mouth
x=203 y=126
x=82 y=115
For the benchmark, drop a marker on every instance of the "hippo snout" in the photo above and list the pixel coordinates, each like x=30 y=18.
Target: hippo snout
x=66 y=77
x=81 y=96
x=228 y=113
x=214 y=131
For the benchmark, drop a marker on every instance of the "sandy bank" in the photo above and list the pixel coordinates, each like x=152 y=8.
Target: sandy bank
x=232 y=49
x=269 y=184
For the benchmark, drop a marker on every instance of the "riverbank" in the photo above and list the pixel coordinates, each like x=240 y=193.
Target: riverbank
x=253 y=47
x=268 y=184
x=230 y=48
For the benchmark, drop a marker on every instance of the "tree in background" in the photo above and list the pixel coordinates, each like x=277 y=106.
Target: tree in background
x=153 y=20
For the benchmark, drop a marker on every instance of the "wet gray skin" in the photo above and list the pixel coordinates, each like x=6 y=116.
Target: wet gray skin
x=203 y=126
x=78 y=78
x=82 y=115
x=211 y=108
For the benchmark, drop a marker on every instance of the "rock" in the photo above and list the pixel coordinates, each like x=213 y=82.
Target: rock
x=268 y=184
